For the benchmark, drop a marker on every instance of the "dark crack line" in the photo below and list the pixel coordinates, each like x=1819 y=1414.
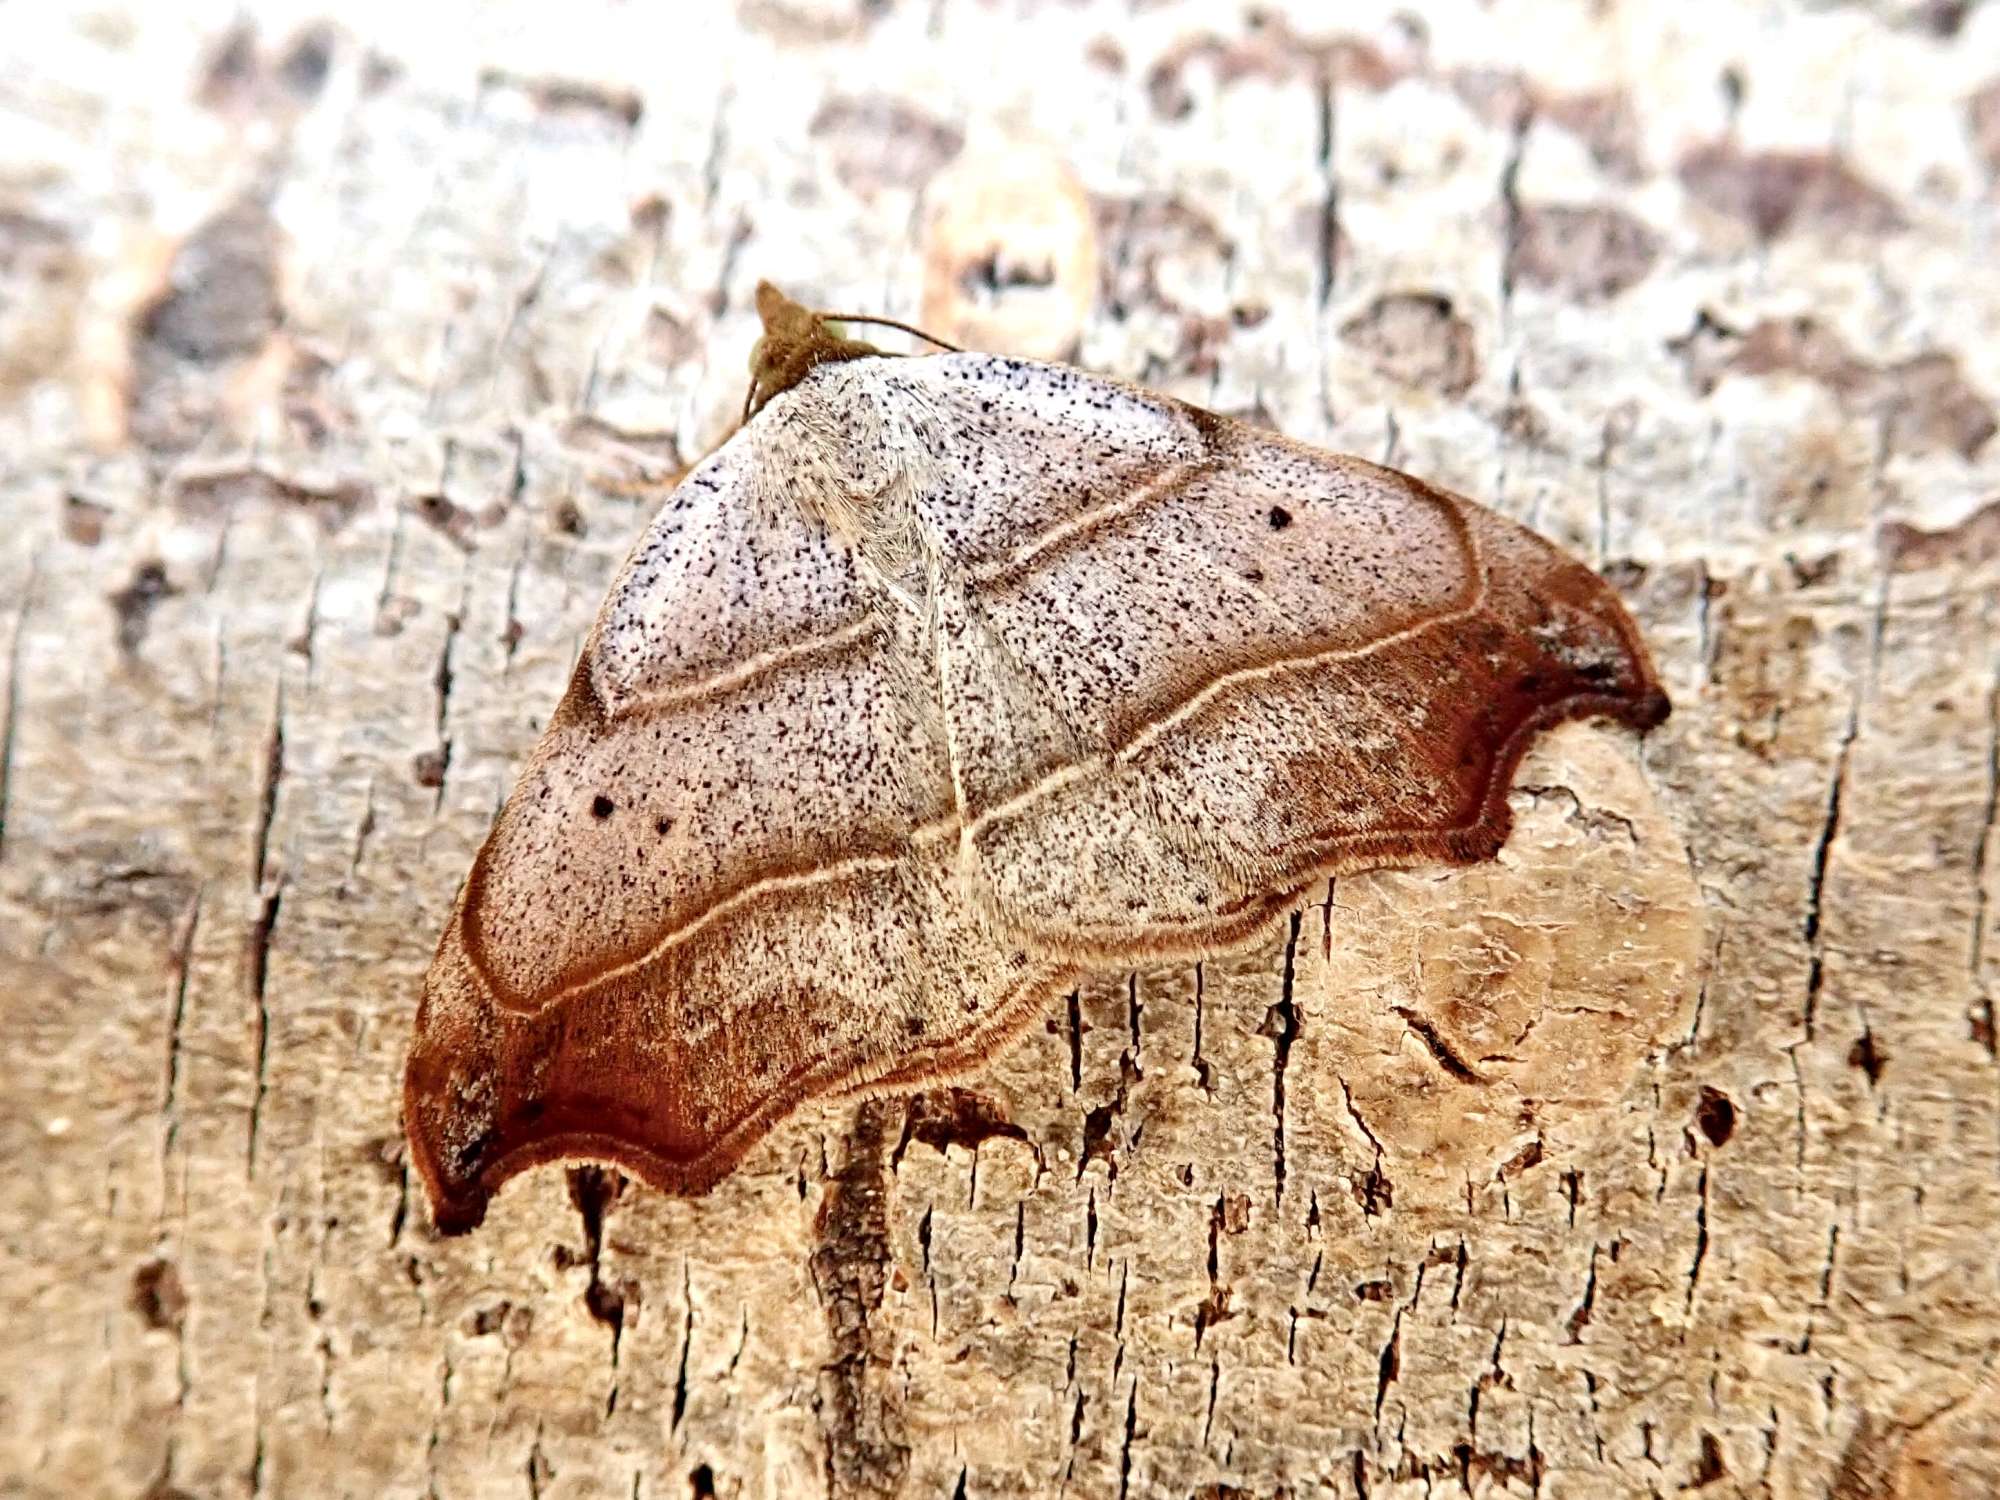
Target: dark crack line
x=437 y=1424
x=687 y=1343
x=443 y=681
x=176 y=1013
x=510 y=634
x=1329 y=204
x=1510 y=221
x=1708 y=629
x=711 y=166
x=1816 y=881
x=391 y=569
x=1377 y=1191
x=1427 y=1033
x=1981 y=848
x=1075 y=1041
x=1133 y=1010
x=1020 y=1243
x=1204 y=1075
x=306 y=637
x=1125 y=1450
x=1283 y=1033
x=534 y=1465
x=262 y=933
x=402 y=1211
x=267 y=797
x=1389 y=1365
x=362 y=829
x=1700 y=1245
x=1579 y=1318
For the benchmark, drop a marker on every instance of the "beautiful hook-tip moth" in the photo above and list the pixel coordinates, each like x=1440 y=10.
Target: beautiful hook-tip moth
x=944 y=681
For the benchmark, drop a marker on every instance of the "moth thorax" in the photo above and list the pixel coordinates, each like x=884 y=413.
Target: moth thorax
x=855 y=461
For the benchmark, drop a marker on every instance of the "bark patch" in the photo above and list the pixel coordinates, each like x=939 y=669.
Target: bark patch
x=876 y=141
x=860 y=1412
x=221 y=298
x=158 y=1296
x=1776 y=192
x=1973 y=542
x=1271 y=49
x=1418 y=339
x=1590 y=251
x=134 y=604
x=1925 y=399
x=1603 y=120
x=1982 y=120
x=947 y=1117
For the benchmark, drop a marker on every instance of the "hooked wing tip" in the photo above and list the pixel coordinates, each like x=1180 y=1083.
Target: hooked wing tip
x=490 y=1092
x=1651 y=711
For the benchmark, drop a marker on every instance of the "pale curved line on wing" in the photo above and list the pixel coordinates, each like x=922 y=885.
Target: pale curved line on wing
x=951 y=825
x=837 y=870
x=777 y=658
x=1194 y=704
x=742 y=674
x=1024 y=556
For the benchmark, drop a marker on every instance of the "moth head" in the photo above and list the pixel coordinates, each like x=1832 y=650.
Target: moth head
x=796 y=341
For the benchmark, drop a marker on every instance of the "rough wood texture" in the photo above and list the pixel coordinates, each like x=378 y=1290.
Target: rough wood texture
x=341 y=356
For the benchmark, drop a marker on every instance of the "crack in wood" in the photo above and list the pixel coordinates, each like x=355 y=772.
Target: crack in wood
x=1822 y=853
x=1281 y=1025
x=176 y=1015
x=1131 y=1434
x=1425 y=1030
x=267 y=795
x=442 y=682
x=1981 y=848
x=687 y=1344
x=262 y=935
x=1327 y=269
x=1700 y=1243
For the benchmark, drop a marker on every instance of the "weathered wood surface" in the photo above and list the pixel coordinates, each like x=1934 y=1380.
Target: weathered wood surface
x=341 y=354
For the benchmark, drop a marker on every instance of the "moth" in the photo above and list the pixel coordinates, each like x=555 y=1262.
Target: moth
x=947 y=680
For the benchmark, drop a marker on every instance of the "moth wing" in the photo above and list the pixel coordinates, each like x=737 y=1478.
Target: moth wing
x=712 y=893
x=1188 y=667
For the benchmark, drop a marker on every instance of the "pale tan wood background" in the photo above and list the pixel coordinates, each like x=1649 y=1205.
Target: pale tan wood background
x=342 y=351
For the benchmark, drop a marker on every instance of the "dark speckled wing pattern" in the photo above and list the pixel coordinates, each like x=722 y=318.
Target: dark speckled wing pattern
x=819 y=812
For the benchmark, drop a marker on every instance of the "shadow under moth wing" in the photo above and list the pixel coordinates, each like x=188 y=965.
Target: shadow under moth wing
x=944 y=681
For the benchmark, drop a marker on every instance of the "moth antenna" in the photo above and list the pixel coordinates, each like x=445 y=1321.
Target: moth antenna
x=928 y=338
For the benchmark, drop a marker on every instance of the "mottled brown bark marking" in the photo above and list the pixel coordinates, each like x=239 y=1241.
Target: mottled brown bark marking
x=1418 y=339
x=877 y=142
x=1922 y=402
x=860 y=1411
x=950 y=1116
x=1776 y=192
x=1589 y=252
